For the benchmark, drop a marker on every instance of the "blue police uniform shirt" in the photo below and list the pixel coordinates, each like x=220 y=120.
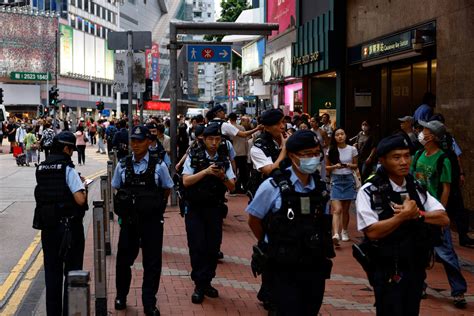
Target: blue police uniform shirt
x=188 y=170
x=162 y=175
x=268 y=197
x=73 y=180
x=231 y=149
x=166 y=158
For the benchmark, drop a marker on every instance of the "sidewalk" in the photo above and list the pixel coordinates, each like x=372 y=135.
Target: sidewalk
x=347 y=292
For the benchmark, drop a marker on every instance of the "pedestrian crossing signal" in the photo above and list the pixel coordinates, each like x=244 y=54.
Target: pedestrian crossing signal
x=99 y=105
x=54 y=96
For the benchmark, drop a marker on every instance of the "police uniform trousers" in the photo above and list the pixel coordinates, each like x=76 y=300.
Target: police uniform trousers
x=58 y=262
x=204 y=232
x=398 y=298
x=145 y=232
x=299 y=290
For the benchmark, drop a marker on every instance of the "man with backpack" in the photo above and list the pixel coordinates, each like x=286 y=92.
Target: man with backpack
x=434 y=170
x=109 y=135
x=47 y=138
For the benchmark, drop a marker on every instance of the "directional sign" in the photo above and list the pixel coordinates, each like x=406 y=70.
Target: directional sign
x=209 y=53
x=36 y=76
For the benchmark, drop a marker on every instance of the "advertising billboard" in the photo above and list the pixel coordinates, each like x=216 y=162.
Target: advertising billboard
x=282 y=12
x=252 y=56
x=78 y=52
x=109 y=64
x=66 y=48
x=152 y=69
x=89 y=55
x=99 y=57
x=33 y=50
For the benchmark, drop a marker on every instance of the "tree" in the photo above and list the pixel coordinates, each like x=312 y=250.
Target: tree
x=231 y=10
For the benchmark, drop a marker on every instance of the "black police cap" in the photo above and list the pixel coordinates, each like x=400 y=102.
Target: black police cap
x=216 y=108
x=140 y=132
x=212 y=130
x=271 y=117
x=199 y=130
x=390 y=143
x=66 y=138
x=152 y=125
x=301 y=139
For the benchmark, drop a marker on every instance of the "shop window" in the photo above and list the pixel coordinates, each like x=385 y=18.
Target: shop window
x=420 y=82
x=92 y=88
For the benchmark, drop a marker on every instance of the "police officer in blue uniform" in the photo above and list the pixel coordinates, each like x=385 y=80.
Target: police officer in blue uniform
x=399 y=219
x=120 y=140
x=207 y=175
x=61 y=201
x=143 y=183
x=156 y=147
x=287 y=217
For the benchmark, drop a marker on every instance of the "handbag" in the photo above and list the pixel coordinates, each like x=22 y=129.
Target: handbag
x=357 y=178
x=86 y=140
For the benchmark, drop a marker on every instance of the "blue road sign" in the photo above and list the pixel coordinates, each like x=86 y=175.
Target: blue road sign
x=209 y=53
x=105 y=112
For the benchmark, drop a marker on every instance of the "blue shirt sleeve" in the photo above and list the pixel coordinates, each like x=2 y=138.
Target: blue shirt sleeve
x=117 y=177
x=229 y=173
x=187 y=169
x=167 y=160
x=73 y=180
x=231 y=150
x=264 y=200
x=162 y=176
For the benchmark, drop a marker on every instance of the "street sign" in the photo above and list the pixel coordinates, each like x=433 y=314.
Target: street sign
x=35 y=76
x=106 y=112
x=140 y=40
x=121 y=72
x=209 y=53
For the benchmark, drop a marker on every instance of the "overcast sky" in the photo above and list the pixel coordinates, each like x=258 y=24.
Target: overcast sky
x=218 y=8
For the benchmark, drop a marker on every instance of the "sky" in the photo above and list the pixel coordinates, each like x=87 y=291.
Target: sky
x=217 y=4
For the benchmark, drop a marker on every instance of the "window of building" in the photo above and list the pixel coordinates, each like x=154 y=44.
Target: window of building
x=73 y=2
x=79 y=4
x=131 y=1
x=103 y=13
x=79 y=24
x=109 y=15
x=109 y=90
x=209 y=14
x=92 y=88
x=86 y=5
x=197 y=14
x=202 y=91
x=72 y=22
x=200 y=71
x=98 y=89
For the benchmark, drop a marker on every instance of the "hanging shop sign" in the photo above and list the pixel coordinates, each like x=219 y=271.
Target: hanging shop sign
x=277 y=66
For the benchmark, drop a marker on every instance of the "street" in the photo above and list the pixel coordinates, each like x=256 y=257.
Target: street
x=347 y=292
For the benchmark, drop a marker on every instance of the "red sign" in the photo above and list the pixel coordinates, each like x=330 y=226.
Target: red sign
x=282 y=12
x=207 y=53
x=152 y=57
x=156 y=106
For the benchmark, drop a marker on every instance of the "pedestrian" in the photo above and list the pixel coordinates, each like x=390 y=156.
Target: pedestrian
x=11 y=133
x=217 y=115
x=285 y=215
x=183 y=139
x=120 y=140
x=20 y=136
x=143 y=183
x=164 y=139
x=323 y=141
x=341 y=161
x=109 y=135
x=81 y=141
x=434 y=171
x=156 y=147
x=47 y=137
x=101 y=136
x=207 y=175
x=304 y=125
x=425 y=110
x=2 y=133
x=31 y=146
x=92 y=128
x=241 y=150
x=365 y=144
x=406 y=126
x=397 y=217
x=326 y=124
x=61 y=202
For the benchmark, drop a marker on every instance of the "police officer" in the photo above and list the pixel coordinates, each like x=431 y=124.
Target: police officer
x=207 y=175
x=399 y=219
x=156 y=147
x=143 y=183
x=120 y=140
x=61 y=200
x=287 y=217
x=217 y=115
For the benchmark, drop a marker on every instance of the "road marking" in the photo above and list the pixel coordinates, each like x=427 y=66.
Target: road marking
x=25 y=258
x=17 y=297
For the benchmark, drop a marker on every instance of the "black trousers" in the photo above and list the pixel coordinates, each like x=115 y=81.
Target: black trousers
x=204 y=232
x=56 y=267
x=242 y=173
x=299 y=290
x=146 y=233
x=81 y=153
x=398 y=299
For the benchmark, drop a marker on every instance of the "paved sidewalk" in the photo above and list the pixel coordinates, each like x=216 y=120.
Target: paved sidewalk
x=347 y=292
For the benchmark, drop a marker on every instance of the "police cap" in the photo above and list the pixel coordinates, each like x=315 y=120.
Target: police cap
x=216 y=108
x=199 y=130
x=301 y=139
x=152 y=125
x=390 y=143
x=140 y=132
x=271 y=117
x=66 y=138
x=212 y=130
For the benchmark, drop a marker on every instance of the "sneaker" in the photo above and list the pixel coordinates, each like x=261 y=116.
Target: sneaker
x=459 y=301
x=335 y=240
x=344 y=235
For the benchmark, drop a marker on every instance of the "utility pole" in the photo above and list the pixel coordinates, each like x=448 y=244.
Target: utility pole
x=130 y=87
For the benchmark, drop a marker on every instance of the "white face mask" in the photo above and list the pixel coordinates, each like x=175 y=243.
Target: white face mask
x=421 y=138
x=309 y=165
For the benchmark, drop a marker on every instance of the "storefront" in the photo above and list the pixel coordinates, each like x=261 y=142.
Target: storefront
x=388 y=76
x=317 y=57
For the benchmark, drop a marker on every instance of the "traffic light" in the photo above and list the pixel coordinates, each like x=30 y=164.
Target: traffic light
x=54 y=96
x=1 y=95
x=99 y=105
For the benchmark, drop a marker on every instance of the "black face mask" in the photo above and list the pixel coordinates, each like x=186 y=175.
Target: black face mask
x=152 y=137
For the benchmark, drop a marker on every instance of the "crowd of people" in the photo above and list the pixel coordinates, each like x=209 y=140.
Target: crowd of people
x=301 y=175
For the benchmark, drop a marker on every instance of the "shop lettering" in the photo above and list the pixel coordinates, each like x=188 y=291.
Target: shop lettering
x=280 y=2
x=277 y=68
x=383 y=47
x=306 y=59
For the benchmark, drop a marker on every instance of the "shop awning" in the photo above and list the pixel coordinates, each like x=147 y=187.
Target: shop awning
x=156 y=106
x=246 y=16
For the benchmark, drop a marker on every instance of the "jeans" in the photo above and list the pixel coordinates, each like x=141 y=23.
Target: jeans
x=31 y=155
x=451 y=264
x=101 y=145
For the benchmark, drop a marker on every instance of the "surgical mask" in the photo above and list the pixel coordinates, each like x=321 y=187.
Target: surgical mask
x=309 y=165
x=421 y=138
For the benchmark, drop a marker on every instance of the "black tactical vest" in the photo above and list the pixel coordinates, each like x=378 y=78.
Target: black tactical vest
x=411 y=244
x=266 y=143
x=158 y=152
x=219 y=122
x=54 y=199
x=299 y=233
x=140 y=195
x=210 y=191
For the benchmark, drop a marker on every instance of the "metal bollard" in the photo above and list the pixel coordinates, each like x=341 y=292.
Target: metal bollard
x=104 y=193
x=110 y=174
x=78 y=293
x=100 y=271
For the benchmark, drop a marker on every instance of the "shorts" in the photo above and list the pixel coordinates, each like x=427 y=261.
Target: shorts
x=343 y=187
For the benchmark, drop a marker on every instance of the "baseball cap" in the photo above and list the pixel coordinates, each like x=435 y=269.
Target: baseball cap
x=406 y=118
x=436 y=127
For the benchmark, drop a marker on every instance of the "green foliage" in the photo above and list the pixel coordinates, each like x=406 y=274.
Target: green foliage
x=231 y=10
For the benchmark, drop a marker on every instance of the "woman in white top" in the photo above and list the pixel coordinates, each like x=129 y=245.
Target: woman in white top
x=340 y=163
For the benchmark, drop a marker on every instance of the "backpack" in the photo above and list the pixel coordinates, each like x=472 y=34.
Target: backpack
x=47 y=140
x=110 y=132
